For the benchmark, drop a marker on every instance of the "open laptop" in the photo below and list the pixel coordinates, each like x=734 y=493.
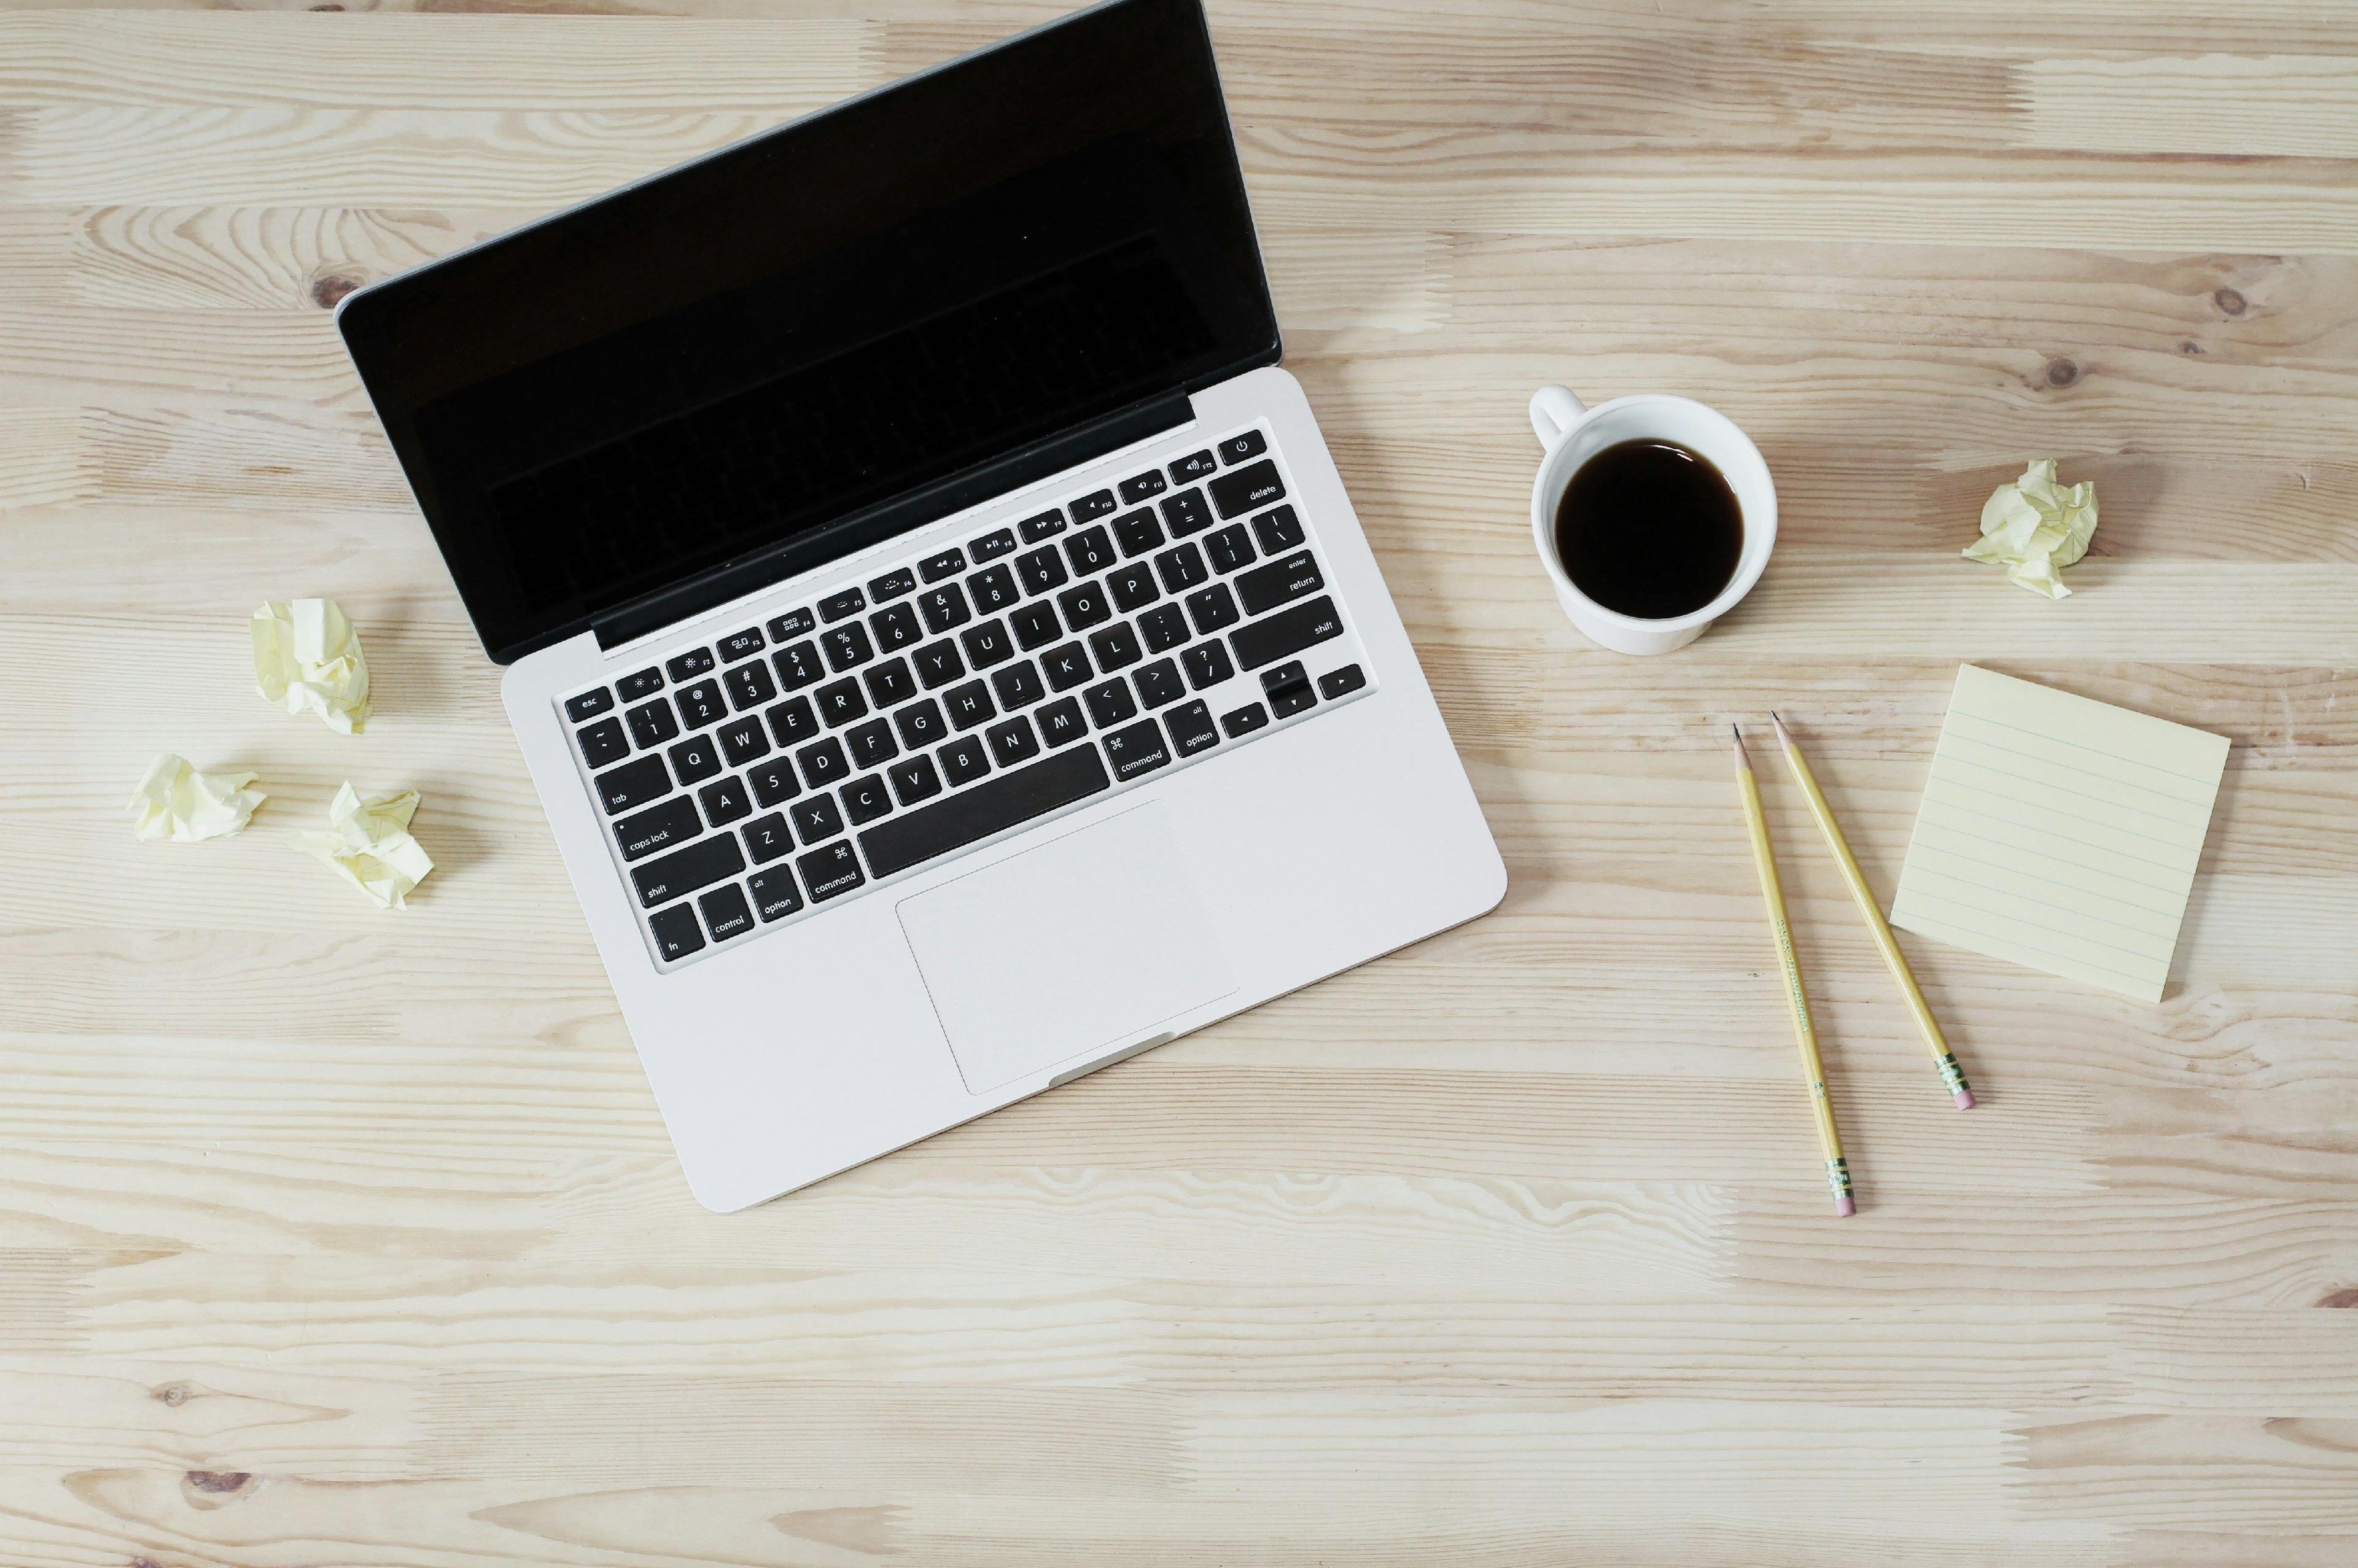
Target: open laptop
x=935 y=628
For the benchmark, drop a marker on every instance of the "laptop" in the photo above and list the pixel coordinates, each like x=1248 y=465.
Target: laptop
x=934 y=623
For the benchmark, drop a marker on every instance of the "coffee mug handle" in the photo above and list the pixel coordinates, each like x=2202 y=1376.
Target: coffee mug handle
x=1555 y=411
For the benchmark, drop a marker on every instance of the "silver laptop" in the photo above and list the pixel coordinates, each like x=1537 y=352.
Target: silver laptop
x=935 y=628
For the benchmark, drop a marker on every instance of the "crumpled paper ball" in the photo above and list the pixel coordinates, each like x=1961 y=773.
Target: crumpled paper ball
x=368 y=844
x=306 y=658
x=2034 y=527
x=177 y=802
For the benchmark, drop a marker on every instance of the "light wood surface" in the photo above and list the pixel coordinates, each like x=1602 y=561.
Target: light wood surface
x=333 y=1236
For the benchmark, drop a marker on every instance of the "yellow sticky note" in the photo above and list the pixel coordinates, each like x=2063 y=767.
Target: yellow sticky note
x=368 y=843
x=308 y=659
x=2060 y=833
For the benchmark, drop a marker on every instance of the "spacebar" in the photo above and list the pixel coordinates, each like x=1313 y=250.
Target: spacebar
x=991 y=807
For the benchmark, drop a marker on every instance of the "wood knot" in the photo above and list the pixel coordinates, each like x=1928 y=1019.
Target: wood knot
x=331 y=6
x=2061 y=373
x=173 y=1395
x=219 y=1481
x=2229 y=302
x=2347 y=1296
x=2189 y=347
x=333 y=284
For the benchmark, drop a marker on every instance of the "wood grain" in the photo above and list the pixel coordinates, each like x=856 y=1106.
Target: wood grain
x=329 y=1237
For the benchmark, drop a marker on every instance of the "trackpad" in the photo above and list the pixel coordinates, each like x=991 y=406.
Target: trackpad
x=1066 y=950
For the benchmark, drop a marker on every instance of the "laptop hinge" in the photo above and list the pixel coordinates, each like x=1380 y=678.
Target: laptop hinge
x=734 y=579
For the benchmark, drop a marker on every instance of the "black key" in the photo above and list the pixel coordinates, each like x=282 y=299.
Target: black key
x=742 y=740
x=1139 y=486
x=1158 y=685
x=1230 y=547
x=1138 y=532
x=1287 y=700
x=1042 y=569
x=700 y=704
x=1089 y=551
x=896 y=627
x=646 y=682
x=691 y=664
x=1067 y=666
x=724 y=800
x=992 y=590
x=1191 y=728
x=1194 y=465
x=1186 y=514
x=930 y=831
x=1012 y=742
x=589 y=704
x=767 y=838
x=1279 y=530
x=846 y=645
x=774 y=893
x=684 y=870
x=1061 y=721
x=750 y=686
x=944 y=607
x=1084 y=606
x=1137 y=750
x=1110 y=703
x=798 y=665
x=1279 y=582
x=1181 y=568
x=1286 y=673
x=840 y=702
x=921 y=724
x=677 y=933
x=1242 y=489
x=1096 y=505
x=793 y=721
x=653 y=723
x=892 y=584
x=1018 y=685
x=1132 y=587
x=969 y=705
x=1207 y=664
x=933 y=569
x=831 y=872
x=1286 y=633
x=865 y=799
x=741 y=645
x=1212 y=608
x=993 y=545
x=988 y=644
x=632 y=784
x=657 y=827
x=1036 y=624
x=773 y=782
x=793 y=623
x=603 y=742
x=1244 y=720
x=1047 y=525
x=725 y=914
x=1342 y=682
x=1165 y=627
x=914 y=779
x=964 y=760
x=890 y=682
x=938 y=664
x=870 y=744
x=1116 y=646
x=1236 y=448
x=816 y=818
x=695 y=758
x=836 y=606
x=823 y=764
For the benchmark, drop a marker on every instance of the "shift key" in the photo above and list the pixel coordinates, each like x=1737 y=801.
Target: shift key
x=1286 y=633
x=684 y=871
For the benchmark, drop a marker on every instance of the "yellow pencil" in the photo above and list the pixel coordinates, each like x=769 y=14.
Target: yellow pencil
x=1942 y=1057
x=1765 y=859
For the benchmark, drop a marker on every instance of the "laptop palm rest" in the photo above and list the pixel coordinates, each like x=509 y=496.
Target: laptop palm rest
x=1067 y=950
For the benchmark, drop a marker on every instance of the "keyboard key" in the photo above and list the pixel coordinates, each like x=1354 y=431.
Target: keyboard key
x=793 y=721
x=1110 y=703
x=896 y=627
x=774 y=783
x=1090 y=551
x=938 y=664
x=1242 y=489
x=1018 y=685
x=750 y=686
x=1279 y=582
x=742 y=740
x=725 y=914
x=964 y=760
x=1342 y=682
x=993 y=545
x=823 y=764
x=1286 y=673
x=1207 y=664
x=816 y=818
x=632 y=784
x=682 y=872
x=1163 y=628
x=1181 y=568
x=1191 y=728
x=1137 y=750
x=945 y=606
x=1279 y=530
x=892 y=584
x=865 y=799
x=1285 y=633
x=870 y=744
x=646 y=682
x=700 y=704
x=968 y=705
x=1116 y=646
x=1138 y=532
x=677 y=933
x=724 y=800
x=1089 y=506
x=1041 y=570
x=992 y=590
x=774 y=893
x=1067 y=668
x=1186 y=514
x=840 y=702
x=988 y=644
x=767 y=838
x=589 y=704
x=921 y=724
x=793 y=623
x=914 y=779
x=949 y=563
x=1290 y=697
x=653 y=723
x=657 y=827
x=1011 y=742
x=1212 y=608
x=1132 y=587
x=691 y=664
x=1158 y=685
x=697 y=757
x=1230 y=547
x=836 y=606
x=1084 y=606
x=741 y=645
x=846 y=645
x=1046 y=525
x=1036 y=625
x=831 y=872
x=1236 y=448
x=603 y=742
x=1244 y=720
x=798 y=665
x=1049 y=785
x=1194 y=465
x=1139 y=486
x=1061 y=721
x=890 y=683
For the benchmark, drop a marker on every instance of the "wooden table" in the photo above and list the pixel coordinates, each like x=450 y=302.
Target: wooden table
x=334 y=1237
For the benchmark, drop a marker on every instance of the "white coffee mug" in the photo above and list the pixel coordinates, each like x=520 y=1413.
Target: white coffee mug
x=1572 y=433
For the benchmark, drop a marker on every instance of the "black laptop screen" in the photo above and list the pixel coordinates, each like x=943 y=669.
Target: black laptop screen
x=722 y=364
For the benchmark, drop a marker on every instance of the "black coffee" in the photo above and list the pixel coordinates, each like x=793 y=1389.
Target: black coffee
x=1651 y=529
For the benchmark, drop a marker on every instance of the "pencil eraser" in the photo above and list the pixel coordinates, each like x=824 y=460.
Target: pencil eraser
x=1845 y=1206
x=1965 y=1100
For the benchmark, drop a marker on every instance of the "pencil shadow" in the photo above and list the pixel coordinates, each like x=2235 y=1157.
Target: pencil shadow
x=2197 y=897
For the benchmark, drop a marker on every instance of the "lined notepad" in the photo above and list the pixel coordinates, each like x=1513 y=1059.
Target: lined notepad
x=2060 y=833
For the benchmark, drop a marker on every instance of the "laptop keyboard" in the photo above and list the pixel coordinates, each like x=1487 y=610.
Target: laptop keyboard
x=757 y=779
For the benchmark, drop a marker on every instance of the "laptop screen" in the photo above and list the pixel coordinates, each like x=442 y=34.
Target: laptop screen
x=722 y=366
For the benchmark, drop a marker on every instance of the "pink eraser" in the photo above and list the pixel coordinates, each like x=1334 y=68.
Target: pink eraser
x=1845 y=1206
x=1965 y=1100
